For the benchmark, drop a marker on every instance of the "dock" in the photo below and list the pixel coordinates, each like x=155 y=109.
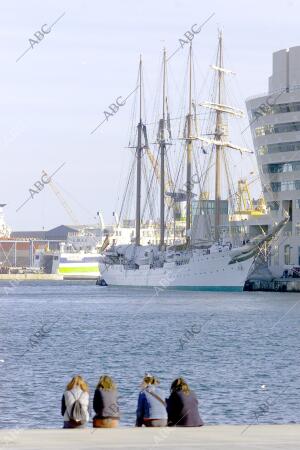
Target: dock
x=277 y=285
x=219 y=437
x=31 y=276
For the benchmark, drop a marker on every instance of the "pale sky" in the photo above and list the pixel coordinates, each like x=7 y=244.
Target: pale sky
x=53 y=97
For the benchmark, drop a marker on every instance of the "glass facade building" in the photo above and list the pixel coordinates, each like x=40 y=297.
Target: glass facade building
x=275 y=126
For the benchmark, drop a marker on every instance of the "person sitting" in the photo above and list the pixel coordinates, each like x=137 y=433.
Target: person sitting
x=182 y=406
x=151 y=408
x=75 y=403
x=105 y=404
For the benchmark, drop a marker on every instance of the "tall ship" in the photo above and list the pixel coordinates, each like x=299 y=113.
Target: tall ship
x=208 y=258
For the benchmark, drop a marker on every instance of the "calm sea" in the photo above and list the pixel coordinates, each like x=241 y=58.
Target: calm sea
x=239 y=351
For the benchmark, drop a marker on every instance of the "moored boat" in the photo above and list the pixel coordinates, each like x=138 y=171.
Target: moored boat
x=210 y=263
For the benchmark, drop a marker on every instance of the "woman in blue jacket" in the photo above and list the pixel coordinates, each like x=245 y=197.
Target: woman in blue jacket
x=151 y=410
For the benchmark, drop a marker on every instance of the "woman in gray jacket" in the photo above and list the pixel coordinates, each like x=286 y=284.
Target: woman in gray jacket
x=105 y=404
x=75 y=403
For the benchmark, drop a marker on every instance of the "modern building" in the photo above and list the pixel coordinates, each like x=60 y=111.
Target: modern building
x=275 y=126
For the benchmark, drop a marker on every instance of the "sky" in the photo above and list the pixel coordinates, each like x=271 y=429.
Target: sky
x=55 y=95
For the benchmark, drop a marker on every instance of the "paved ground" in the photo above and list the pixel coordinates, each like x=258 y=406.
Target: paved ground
x=225 y=437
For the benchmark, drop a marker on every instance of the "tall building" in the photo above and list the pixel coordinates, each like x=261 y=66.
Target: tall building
x=275 y=126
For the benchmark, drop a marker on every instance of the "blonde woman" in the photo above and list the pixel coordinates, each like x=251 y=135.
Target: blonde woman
x=151 y=409
x=105 y=404
x=75 y=403
x=183 y=406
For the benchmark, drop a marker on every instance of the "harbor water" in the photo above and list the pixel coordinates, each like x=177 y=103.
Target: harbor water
x=239 y=351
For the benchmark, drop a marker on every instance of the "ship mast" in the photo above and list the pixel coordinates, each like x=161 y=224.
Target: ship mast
x=221 y=138
x=218 y=137
x=162 y=145
x=189 y=149
x=139 y=150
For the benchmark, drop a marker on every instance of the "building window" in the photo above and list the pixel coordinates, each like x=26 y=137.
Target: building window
x=279 y=148
x=297 y=203
x=263 y=109
x=262 y=131
x=277 y=128
x=276 y=186
x=287 y=254
x=281 y=186
x=273 y=206
x=281 y=167
x=263 y=150
x=299 y=256
x=297 y=229
x=285 y=127
x=287 y=185
x=276 y=255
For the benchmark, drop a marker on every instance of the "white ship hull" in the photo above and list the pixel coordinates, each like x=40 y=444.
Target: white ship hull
x=202 y=272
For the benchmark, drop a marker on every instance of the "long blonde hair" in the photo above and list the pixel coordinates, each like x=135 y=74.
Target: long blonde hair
x=180 y=385
x=78 y=381
x=107 y=383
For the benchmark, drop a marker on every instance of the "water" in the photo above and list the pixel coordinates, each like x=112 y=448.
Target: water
x=245 y=356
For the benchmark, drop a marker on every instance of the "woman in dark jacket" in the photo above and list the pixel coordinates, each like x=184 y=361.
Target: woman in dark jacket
x=182 y=406
x=105 y=404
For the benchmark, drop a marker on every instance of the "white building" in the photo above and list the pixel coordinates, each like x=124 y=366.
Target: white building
x=4 y=229
x=275 y=126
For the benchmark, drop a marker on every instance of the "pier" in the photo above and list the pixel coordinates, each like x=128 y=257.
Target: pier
x=15 y=277
x=277 y=285
x=219 y=437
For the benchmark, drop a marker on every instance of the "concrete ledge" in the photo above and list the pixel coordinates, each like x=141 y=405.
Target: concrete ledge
x=225 y=437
